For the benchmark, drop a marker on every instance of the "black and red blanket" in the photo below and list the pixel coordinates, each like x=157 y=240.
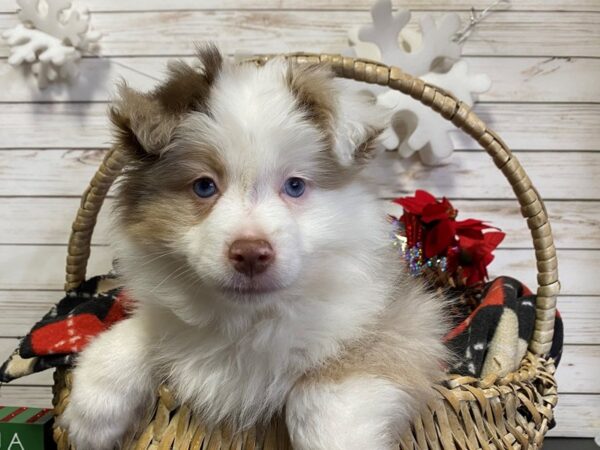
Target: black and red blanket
x=491 y=339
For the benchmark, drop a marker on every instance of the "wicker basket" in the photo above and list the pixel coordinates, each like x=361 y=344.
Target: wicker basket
x=490 y=413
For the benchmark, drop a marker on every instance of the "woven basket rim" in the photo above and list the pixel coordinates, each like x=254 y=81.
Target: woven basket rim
x=452 y=109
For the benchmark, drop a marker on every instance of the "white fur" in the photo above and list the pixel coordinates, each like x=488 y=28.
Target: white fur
x=235 y=356
x=356 y=414
x=111 y=387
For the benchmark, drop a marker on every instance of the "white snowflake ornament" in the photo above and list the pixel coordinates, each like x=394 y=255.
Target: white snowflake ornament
x=430 y=133
x=415 y=127
x=436 y=38
x=51 y=38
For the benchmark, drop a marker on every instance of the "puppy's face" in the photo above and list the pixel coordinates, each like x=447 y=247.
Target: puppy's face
x=251 y=186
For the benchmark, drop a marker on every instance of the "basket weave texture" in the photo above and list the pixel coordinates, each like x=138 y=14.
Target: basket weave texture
x=514 y=411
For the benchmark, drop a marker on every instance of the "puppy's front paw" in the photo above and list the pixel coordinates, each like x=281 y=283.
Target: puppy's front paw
x=90 y=425
x=355 y=414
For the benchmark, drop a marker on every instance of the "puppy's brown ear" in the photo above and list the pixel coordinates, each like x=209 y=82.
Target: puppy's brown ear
x=360 y=122
x=349 y=120
x=145 y=122
x=314 y=91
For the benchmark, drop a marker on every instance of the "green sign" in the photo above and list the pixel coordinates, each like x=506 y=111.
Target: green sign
x=23 y=428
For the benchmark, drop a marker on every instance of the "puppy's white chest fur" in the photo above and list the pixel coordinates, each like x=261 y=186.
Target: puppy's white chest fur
x=241 y=368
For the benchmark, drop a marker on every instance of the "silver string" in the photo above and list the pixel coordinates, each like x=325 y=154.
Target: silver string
x=475 y=19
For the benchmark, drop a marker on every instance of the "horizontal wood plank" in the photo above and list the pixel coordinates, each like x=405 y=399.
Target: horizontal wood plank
x=578 y=369
x=57 y=172
x=522 y=126
x=469 y=175
x=160 y=5
x=32 y=396
x=504 y=33
x=20 y=310
x=581 y=316
x=48 y=220
x=8 y=6
x=513 y=79
x=577 y=269
x=41 y=267
x=40 y=220
x=577 y=415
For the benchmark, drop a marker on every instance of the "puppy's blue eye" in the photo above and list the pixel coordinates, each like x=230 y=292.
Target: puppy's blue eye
x=294 y=187
x=205 y=187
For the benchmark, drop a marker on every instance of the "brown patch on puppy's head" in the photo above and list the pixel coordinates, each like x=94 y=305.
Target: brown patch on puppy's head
x=145 y=122
x=150 y=201
x=312 y=86
x=317 y=96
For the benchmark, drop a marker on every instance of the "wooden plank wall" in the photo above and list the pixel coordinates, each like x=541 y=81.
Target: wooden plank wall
x=542 y=55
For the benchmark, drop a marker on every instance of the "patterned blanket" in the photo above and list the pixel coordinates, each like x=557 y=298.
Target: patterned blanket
x=492 y=339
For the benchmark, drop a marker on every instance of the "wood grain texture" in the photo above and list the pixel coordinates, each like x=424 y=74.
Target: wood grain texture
x=577 y=269
x=47 y=220
x=33 y=396
x=571 y=221
x=545 y=100
x=513 y=79
x=41 y=267
x=577 y=415
x=568 y=127
x=20 y=310
x=570 y=34
x=581 y=316
x=578 y=369
x=160 y=5
x=467 y=175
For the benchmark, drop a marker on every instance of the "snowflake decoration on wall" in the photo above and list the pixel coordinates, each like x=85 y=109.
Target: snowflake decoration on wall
x=52 y=36
x=415 y=127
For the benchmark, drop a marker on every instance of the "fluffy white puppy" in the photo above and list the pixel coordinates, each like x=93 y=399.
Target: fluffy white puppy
x=261 y=264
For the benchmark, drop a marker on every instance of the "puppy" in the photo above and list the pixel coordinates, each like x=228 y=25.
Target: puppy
x=260 y=261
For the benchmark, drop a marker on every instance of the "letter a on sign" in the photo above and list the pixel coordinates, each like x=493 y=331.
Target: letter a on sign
x=14 y=442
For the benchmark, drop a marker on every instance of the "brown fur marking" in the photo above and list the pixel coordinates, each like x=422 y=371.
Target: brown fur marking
x=147 y=121
x=312 y=86
x=391 y=347
x=155 y=191
x=313 y=89
x=156 y=198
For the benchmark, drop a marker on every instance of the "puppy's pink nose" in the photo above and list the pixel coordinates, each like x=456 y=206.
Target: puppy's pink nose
x=251 y=256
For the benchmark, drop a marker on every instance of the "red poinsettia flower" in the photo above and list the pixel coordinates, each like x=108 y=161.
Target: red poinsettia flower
x=438 y=216
x=415 y=205
x=474 y=255
x=431 y=224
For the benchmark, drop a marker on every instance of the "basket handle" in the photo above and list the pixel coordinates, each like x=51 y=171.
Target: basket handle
x=532 y=206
